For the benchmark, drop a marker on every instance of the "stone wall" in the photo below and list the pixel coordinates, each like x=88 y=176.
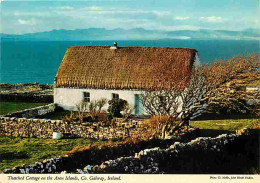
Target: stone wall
x=43 y=128
x=33 y=112
x=52 y=165
x=202 y=155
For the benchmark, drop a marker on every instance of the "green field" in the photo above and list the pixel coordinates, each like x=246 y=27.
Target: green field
x=213 y=128
x=17 y=151
x=9 y=107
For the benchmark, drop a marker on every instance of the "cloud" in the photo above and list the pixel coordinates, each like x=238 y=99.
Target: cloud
x=161 y=13
x=27 y=22
x=31 y=14
x=179 y=27
x=211 y=19
x=66 y=8
x=181 y=18
x=93 y=8
x=116 y=11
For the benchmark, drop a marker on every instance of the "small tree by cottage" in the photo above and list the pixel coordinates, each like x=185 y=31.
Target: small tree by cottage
x=177 y=103
x=92 y=109
x=217 y=85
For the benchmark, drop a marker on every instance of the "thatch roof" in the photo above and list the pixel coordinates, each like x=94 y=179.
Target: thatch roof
x=124 y=68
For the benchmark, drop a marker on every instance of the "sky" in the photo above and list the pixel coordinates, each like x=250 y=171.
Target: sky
x=19 y=17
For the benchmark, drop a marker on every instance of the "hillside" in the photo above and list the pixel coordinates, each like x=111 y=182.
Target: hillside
x=134 y=34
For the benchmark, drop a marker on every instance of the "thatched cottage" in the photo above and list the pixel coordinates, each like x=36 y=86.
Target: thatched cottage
x=93 y=72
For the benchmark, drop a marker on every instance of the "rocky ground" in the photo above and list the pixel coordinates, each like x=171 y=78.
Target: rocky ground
x=26 y=92
x=21 y=88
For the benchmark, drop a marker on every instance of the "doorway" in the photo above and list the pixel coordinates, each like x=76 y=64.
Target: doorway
x=139 y=108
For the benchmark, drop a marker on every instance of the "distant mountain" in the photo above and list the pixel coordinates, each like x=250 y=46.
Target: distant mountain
x=133 y=34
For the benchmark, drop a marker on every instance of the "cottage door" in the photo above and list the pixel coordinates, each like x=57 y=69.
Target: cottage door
x=139 y=108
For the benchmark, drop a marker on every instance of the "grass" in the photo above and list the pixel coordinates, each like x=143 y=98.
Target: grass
x=16 y=151
x=9 y=107
x=213 y=128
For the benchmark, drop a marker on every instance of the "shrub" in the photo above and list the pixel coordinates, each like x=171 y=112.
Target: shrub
x=74 y=150
x=100 y=103
x=70 y=117
x=95 y=110
x=115 y=107
x=82 y=107
x=128 y=110
x=100 y=116
x=93 y=106
x=156 y=124
x=90 y=111
x=107 y=145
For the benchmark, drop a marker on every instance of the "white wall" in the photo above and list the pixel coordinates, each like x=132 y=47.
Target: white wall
x=67 y=98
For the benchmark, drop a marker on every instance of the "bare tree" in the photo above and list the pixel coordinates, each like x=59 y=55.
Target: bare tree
x=178 y=103
x=208 y=85
x=227 y=82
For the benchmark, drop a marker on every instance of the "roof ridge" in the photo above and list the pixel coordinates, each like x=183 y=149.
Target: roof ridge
x=108 y=46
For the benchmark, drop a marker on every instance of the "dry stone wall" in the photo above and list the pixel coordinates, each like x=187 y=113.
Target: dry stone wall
x=53 y=165
x=154 y=160
x=31 y=113
x=44 y=128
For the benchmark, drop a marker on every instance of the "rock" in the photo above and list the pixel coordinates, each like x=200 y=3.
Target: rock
x=126 y=169
x=80 y=171
x=8 y=171
x=103 y=166
x=87 y=168
x=137 y=155
x=96 y=168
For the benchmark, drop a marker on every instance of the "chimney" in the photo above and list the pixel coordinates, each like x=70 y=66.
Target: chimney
x=114 y=47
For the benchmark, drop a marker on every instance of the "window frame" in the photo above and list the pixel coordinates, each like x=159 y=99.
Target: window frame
x=86 y=96
x=115 y=94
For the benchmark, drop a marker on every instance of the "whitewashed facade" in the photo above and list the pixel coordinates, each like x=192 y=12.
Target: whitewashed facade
x=68 y=98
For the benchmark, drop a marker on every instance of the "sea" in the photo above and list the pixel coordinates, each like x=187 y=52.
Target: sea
x=38 y=61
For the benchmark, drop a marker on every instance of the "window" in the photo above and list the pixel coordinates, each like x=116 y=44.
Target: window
x=115 y=96
x=86 y=96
